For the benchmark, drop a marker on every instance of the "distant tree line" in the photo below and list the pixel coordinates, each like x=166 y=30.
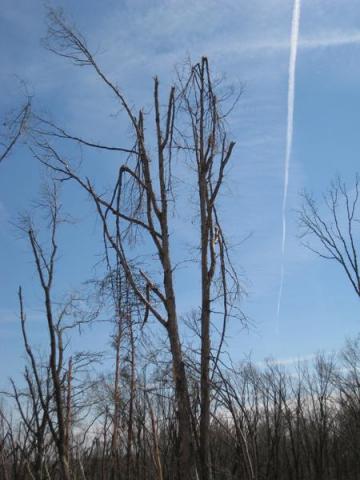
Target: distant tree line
x=267 y=422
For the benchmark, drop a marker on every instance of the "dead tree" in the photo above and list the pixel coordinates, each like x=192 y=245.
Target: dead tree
x=56 y=397
x=115 y=289
x=212 y=152
x=192 y=125
x=335 y=231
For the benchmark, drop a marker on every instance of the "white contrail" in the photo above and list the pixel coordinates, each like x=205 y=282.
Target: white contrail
x=289 y=132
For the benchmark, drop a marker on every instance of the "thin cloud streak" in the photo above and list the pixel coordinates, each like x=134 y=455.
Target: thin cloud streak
x=335 y=39
x=326 y=40
x=289 y=137
x=289 y=361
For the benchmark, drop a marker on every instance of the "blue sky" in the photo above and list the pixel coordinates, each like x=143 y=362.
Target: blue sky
x=249 y=42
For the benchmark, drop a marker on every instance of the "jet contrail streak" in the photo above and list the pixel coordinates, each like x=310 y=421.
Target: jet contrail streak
x=289 y=132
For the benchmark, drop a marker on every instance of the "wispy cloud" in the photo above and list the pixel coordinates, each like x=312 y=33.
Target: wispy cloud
x=324 y=40
x=331 y=39
x=289 y=360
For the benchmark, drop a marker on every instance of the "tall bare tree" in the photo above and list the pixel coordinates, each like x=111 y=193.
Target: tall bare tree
x=192 y=124
x=50 y=384
x=45 y=265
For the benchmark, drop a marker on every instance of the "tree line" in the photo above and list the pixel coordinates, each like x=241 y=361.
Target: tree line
x=266 y=421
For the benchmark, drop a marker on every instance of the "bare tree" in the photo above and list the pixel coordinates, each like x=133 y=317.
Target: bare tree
x=335 y=230
x=45 y=265
x=126 y=315
x=50 y=384
x=192 y=124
